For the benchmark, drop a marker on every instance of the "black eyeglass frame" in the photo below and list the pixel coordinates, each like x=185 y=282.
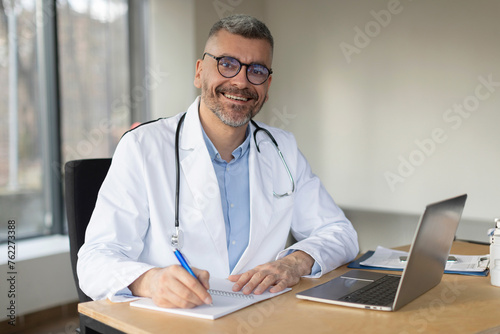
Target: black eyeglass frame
x=270 y=71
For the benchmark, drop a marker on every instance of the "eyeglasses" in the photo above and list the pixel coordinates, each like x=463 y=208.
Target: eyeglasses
x=229 y=67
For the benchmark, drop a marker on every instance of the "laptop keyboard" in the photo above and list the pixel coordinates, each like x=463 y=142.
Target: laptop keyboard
x=380 y=292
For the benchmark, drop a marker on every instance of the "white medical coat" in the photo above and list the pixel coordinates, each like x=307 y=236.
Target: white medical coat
x=131 y=226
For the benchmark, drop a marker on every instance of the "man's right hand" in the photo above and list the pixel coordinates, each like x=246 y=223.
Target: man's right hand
x=173 y=287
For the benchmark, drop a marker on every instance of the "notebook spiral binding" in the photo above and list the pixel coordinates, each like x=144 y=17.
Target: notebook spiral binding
x=229 y=294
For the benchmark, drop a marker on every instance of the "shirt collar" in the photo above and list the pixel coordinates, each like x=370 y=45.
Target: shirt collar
x=237 y=153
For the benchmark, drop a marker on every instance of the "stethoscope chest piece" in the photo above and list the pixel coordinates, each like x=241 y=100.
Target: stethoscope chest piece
x=177 y=239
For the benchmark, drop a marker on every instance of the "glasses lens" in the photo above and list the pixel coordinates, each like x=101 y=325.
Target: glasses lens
x=257 y=74
x=229 y=67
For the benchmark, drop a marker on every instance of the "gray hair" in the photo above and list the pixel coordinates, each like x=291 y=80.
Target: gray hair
x=245 y=26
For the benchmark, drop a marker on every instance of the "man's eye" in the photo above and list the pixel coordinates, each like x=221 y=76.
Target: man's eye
x=229 y=63
x=258 y=70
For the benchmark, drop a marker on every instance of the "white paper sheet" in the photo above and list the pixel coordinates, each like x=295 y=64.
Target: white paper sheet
x=389 y=258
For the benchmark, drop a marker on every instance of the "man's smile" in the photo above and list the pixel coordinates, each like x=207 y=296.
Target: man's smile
x=234 y=97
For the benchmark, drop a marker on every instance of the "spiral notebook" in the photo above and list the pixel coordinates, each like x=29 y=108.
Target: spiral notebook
x=224 y=301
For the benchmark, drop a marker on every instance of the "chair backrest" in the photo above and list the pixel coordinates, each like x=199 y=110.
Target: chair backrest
x=83 y=179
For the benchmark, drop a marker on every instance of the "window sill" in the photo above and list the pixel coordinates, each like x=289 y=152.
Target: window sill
x=35 y=248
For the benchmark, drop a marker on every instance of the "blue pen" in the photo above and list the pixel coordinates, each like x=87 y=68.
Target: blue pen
x=183 y=262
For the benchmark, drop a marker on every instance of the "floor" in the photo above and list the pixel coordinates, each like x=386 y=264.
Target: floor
x=61 y=319
x=62 y=326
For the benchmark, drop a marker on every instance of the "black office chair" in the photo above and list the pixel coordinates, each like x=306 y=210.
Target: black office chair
x=83 y=179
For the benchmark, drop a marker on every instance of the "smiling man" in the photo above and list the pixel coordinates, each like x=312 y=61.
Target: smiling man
x=238 y=198
x=228 y=99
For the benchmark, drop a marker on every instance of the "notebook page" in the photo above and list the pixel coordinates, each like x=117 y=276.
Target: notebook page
x=224 y=301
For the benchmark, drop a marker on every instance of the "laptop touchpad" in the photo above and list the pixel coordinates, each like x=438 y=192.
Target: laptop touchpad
x=337 y=287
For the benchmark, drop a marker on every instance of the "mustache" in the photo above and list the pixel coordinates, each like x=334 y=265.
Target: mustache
x=246 y=93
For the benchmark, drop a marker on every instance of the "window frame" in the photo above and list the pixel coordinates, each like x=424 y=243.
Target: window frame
x=50 y=114
x=50 y=103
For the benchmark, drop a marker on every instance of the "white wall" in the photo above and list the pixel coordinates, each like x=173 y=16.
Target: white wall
x=172 y=54
x=42 y=275
x=357 y=117
x=208 y=12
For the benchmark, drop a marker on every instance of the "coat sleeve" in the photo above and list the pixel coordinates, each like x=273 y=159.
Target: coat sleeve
x=113 y=240
x=318 y=224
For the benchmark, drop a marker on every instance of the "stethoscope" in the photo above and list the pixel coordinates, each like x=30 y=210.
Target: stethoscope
x=177 y=240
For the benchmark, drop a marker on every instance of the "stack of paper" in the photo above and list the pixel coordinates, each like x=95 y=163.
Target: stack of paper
x=389 y=259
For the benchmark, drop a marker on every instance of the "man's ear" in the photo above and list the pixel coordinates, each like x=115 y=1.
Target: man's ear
x=197 y=75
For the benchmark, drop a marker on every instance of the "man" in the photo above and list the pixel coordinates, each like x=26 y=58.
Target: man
x=232 y=224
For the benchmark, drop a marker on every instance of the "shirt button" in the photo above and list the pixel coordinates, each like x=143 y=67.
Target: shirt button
x=233 y=242
x=232 y=205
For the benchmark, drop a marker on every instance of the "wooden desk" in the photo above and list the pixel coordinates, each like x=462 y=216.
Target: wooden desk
x=459 y=304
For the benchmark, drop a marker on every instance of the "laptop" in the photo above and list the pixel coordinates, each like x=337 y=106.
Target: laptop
x=424 y=268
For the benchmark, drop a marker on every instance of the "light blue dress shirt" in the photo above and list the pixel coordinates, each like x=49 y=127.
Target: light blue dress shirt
x=235 y=196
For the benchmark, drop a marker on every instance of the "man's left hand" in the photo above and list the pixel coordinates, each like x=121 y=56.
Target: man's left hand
x=279 y=274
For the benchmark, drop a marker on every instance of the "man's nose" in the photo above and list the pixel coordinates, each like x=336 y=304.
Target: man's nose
x=240 y=79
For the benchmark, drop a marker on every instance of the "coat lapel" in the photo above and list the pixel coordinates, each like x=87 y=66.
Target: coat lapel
x=199 y=175
x=261 y=199
x=201 y=180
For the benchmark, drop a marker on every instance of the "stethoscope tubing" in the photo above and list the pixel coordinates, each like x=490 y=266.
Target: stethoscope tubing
x=177 y=237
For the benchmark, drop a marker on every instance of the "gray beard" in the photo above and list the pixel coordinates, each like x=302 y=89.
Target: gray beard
x=211 y=102
x=217 y=110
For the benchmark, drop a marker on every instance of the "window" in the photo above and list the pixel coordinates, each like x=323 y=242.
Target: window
x=21 y=167
x=93 y=67
x=75 y=105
